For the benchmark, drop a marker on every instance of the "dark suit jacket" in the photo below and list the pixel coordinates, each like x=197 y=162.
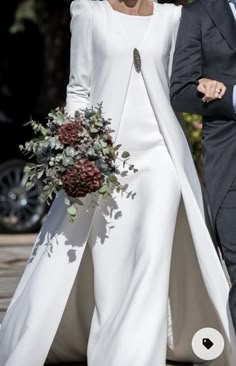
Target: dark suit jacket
x=206 y=47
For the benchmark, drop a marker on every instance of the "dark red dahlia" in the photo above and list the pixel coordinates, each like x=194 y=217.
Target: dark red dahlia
x=83 y=178
x=109 y=140
x=69 y=133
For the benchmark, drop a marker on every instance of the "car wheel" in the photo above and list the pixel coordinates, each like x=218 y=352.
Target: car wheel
x=21 y=209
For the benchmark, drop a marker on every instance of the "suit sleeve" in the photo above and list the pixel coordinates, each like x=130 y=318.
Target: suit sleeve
x=188 y=68
x=78 y=89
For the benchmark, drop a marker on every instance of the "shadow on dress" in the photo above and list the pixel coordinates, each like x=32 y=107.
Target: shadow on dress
x=58 y=229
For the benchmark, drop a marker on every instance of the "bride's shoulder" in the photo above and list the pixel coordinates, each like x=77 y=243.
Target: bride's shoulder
x=81 y=14
x=87 y=5
x=170 y=11
x=80 y=6
x=84 y=5
x=84 y=11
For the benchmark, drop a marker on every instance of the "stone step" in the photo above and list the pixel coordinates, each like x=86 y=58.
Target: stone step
x=22 y=239
x=1 y=316
x=13 y=258
x=4 y=303
x=8 y=286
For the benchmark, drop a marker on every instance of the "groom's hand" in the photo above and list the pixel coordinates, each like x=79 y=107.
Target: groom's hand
x=211 y=89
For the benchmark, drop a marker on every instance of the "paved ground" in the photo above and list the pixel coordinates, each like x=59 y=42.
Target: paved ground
x=14 y=251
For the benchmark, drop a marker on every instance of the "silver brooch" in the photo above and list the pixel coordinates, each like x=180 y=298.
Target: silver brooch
x=137 y=60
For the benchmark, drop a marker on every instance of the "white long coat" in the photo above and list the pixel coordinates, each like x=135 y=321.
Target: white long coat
x=36 y=310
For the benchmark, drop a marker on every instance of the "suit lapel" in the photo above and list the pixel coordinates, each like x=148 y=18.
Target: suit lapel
x=221 y=14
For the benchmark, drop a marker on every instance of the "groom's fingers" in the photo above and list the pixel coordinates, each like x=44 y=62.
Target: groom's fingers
x=222 y=89
x=210 y=87
x=201 y=88
x=213 y=90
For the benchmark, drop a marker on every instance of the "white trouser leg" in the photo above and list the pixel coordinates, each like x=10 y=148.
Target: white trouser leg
x=131 y=271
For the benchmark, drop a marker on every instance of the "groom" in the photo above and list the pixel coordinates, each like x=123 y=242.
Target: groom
x=203 y=81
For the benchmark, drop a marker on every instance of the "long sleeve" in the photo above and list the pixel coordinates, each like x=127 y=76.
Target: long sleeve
x=187 y=69
x=78 y=88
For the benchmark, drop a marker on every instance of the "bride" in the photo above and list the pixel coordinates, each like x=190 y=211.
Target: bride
x=131 y=281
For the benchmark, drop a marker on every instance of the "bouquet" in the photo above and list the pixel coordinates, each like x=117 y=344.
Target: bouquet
x=78 y=155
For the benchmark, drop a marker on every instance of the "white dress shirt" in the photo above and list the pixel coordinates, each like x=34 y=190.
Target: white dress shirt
x=234 y=91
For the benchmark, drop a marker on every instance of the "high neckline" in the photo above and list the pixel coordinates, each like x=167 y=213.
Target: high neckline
x=130 y=15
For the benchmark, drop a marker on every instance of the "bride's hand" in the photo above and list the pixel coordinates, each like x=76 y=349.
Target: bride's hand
x=212 y=89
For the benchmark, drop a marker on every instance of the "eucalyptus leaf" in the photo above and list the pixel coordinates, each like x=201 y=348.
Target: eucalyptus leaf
x=103 y=167
x=97 y=145
x=104 y=143
x=117 y=147
x=105 y=151
x=67 y=161
x=70 y=151
x=40 y=174
x=91 y=151
x=98 y=123
x=52 y=142
x=72 y=210
x=27 y=169
x=113 y=179
x=29 y=185
x=103 y=189
x=60 y=118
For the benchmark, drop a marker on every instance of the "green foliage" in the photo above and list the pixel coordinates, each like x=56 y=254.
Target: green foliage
x=32 y=10
x=65 y=143
x=193 y=130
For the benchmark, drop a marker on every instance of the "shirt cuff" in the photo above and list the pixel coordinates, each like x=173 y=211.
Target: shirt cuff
x=234 y=98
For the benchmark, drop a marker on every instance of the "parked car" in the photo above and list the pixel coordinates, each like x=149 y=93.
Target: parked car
x=21 y=209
